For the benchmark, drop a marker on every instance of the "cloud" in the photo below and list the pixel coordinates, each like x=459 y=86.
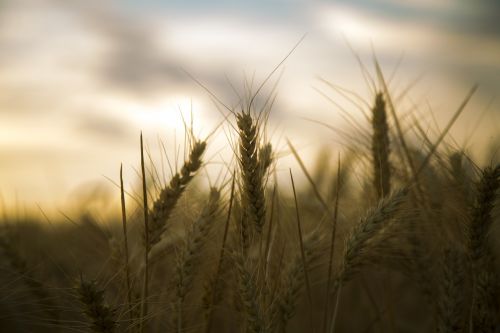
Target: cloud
x=77 y=73
x=477 y=18
x=131 y=59
x=484 y=17
x=104 y=128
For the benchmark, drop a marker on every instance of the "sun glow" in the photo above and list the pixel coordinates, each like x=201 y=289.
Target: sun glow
x=351 y=24
x=174 y=113
x=167 y=113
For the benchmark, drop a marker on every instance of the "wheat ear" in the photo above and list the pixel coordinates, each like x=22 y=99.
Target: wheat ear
x=358 y=242
x=102 y=317
x=294 y=281
x=253 y=197
x=212 y=289
x=451 y=296
x=485 y=305
x=380 y=148
x=37 y=288
x=167 y=200
x=356 y=251
x=192 y=250
x=249 y=296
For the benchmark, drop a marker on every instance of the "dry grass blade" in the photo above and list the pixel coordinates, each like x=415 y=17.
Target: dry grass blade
x=309 y=178
x=274 y=71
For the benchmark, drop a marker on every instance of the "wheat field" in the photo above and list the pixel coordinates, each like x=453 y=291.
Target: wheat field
x=395 y=233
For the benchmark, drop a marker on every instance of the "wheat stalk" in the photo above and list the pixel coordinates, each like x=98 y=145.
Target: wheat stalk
x=147 y=242
x=332 y=247
x=303 y=253
x=125 y=244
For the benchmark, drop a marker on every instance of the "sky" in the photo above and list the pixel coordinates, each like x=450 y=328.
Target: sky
x=81 y=79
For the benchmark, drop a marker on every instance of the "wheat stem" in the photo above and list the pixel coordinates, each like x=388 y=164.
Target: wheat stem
x=303 y=254
x=125 y=244
x=145 y=294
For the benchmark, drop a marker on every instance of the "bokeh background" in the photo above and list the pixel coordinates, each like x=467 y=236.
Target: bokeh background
x=79 y=80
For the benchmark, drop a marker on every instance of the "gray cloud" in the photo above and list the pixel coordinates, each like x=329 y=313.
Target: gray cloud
x=461 y=16
x=486 y=19
x=133 y=60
